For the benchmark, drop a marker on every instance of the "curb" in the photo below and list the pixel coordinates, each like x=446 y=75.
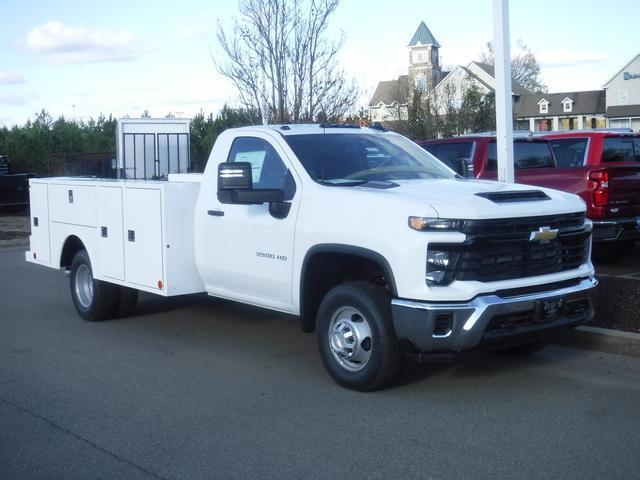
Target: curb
x=601 y=340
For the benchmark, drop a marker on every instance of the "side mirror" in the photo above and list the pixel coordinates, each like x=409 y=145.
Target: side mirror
x=235 y=185
x=464 y=167
x=234 y=175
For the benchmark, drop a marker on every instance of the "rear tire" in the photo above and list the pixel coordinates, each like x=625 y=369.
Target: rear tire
x=524 y=350
x=357 y=342
x=94 y=299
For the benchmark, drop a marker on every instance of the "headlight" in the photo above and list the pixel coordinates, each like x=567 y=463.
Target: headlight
x=422 y=224
x=441 y=266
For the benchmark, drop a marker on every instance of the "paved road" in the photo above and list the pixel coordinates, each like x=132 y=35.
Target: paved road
x=196 y=388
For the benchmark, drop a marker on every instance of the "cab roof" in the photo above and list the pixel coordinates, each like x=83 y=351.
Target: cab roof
x=314 y=128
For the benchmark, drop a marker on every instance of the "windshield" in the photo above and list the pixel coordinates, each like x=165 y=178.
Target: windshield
x=352 y=159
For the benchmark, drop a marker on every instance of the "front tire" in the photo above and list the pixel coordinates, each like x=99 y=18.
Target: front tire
x=357 y=342
x=94 y=299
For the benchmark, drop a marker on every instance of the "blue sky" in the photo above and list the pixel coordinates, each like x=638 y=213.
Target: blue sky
x=123 y=57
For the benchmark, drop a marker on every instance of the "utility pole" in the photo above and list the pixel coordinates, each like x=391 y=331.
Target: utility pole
x=74 y=113
x=504 y=96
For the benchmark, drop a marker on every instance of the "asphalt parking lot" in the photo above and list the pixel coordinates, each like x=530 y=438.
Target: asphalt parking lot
x=192 y=388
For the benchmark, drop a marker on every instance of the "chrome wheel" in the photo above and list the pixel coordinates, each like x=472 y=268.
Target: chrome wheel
x=84 y=285
x=350 y=339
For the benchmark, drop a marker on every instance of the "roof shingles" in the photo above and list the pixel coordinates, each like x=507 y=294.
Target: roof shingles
x=584 y=103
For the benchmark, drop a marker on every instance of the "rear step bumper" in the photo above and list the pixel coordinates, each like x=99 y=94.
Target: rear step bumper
x=627 y=228
x=491 y=319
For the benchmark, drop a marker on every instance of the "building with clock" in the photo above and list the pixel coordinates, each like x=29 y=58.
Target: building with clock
x=616 y=105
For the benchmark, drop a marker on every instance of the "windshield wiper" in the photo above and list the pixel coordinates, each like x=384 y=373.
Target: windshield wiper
x=355 y=183
x=342 y=183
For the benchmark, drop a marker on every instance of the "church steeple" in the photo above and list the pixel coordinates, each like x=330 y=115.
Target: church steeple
x=423 y=36
x=424 y=60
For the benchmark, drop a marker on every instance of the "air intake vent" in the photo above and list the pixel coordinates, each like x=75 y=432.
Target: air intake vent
x=515 y=196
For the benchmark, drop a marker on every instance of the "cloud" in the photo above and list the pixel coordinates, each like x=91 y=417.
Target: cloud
x=61 y=43
x=196 y=28
x=14 y=99
x=564 y=58
x=10 y=78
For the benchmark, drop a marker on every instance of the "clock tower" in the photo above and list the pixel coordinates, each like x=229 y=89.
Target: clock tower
x=424 y=60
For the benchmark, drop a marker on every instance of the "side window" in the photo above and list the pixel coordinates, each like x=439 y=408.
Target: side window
x=569 y=152
x=267 y=168
x=636 y=148
x=450 y=152
x=526 y=155
x=618 y=149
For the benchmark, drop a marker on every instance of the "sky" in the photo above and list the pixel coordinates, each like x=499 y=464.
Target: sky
x=80 y=59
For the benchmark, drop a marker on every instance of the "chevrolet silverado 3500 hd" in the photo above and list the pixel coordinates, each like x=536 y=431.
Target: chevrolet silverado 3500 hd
x=375 y=244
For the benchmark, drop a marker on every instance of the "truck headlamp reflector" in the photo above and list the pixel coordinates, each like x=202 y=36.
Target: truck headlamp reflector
x=422 y=224
x=441 y=266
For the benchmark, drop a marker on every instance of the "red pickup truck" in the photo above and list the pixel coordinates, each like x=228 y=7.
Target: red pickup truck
x=601 y=166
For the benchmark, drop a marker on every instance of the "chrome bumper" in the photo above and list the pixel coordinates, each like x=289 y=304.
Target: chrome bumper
x=421 y=322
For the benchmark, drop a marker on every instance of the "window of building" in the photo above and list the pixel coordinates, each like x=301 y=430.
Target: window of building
x=267 y=168
x=622 y=96
x=567 y=105
x=544 y=106
x=619 y=123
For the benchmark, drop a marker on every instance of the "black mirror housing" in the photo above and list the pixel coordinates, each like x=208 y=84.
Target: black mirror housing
x=234 y=175
x=235 y=185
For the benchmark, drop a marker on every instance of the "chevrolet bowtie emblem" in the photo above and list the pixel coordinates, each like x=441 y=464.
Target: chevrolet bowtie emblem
x=545 y=234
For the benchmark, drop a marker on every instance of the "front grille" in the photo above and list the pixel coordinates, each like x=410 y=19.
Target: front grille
x=501 y=250
x=508 y=323
x=522 y=226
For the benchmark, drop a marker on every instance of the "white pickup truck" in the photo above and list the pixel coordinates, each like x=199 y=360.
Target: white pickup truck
x=375 y=244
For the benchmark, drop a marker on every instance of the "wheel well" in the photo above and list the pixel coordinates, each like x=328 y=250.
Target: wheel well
x=72 y=245
x=324 y=269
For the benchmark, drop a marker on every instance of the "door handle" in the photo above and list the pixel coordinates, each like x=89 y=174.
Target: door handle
x=215 y=213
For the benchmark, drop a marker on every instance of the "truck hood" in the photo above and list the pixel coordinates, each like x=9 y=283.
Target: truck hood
x=461 y=198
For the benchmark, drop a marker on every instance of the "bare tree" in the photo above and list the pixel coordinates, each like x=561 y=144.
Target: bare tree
x=282 y=63
x=525 y=69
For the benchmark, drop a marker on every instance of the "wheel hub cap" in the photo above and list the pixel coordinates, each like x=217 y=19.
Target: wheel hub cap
x=350 y=339
x=84 y=286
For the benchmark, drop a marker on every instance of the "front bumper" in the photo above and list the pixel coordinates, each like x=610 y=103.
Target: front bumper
x=491 y=319
x=616 y=229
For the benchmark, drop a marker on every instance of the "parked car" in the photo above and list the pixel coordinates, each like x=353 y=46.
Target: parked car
x=14 y=188
x=367 y=237
x=601 y=167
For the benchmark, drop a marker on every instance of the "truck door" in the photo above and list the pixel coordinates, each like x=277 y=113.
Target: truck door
x=249 y=249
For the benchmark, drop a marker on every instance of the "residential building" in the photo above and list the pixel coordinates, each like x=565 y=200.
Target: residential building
x=623 y=96
x=541 y=112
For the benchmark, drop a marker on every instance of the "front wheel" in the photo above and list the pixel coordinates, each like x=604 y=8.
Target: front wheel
x=356 y=339
x=94 y=299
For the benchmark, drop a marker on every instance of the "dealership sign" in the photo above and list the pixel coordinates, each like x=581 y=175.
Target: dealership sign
x=631 y=76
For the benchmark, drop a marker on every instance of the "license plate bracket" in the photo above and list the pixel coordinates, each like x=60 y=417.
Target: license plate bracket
x=549 y=309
